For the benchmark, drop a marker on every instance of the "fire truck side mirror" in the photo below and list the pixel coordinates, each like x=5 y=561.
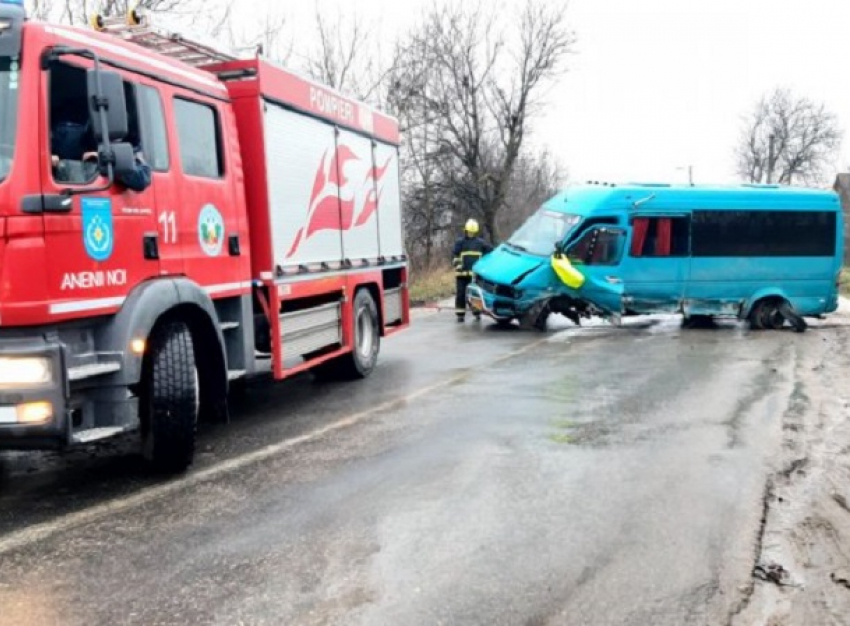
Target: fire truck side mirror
x=106 y=93
x=122 y=158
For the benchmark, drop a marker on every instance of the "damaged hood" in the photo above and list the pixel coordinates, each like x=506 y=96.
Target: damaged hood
x=507 y=266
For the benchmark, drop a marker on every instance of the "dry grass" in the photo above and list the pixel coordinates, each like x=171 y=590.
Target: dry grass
x=845 y=282
x=429 y=286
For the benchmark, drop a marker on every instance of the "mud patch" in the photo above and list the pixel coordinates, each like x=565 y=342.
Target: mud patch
x=801 y=574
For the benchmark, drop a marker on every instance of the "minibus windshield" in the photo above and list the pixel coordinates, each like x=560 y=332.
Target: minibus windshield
x=539 y=234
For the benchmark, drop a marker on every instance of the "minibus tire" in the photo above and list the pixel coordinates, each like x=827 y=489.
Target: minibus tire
x=168 y=404
x=760 y=315
x=774 y=320
x=536 y=317
x=797 y=322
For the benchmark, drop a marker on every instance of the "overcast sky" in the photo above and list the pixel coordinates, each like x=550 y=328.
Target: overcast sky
x=657 y=85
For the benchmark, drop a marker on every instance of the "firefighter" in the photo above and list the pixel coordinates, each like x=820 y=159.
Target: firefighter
x=467 y=250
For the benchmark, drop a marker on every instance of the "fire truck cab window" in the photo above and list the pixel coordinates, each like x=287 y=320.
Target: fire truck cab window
x=199 y=139
x=72 y=144
x=155 y=135
x=73 y=147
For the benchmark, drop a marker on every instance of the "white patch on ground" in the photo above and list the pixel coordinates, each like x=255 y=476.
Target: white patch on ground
x=805 y=548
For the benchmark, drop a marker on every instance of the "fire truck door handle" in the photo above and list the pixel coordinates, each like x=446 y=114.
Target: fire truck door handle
x=151 y=246
x=233 y=245
x=48 y=203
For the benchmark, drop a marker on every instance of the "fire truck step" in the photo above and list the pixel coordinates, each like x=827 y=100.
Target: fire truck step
x=236 y=374
x=229 y=326
x=96 y=434
x=90 y=371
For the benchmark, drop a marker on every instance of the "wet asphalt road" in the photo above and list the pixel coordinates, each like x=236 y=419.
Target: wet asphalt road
x=582 y=476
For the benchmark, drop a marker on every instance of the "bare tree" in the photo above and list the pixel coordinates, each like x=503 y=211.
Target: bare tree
x=264 y=34
x=347 y=55
x=787 y=139
x=537 y=176
x=39 y=9
x=427 y=198
x=334 y=62
x=485 y=79
x=81 y=11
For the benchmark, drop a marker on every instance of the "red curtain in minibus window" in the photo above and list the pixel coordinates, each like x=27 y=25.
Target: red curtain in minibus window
x=664 y=241
x=640 y=227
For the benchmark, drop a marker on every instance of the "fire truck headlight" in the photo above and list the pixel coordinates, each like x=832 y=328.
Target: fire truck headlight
x=25 y=371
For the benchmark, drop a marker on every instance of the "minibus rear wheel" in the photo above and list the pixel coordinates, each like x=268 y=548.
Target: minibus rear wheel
x=770 y=314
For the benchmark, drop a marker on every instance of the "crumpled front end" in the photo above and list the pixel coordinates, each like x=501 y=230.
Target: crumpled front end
x=500 y=302
x=509 y=286
x=506 y=283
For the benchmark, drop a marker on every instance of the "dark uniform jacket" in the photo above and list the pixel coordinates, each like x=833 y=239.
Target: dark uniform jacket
x=466 y=252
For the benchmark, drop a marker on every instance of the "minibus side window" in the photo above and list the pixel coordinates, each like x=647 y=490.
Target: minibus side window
x=660 y=237
x=598 y=246
x=587 y=225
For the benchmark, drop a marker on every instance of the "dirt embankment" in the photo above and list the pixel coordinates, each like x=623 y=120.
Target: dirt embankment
x=802 y=577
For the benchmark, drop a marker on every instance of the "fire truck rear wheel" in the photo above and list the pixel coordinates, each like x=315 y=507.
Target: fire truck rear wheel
x=367 y=338
x=170 y=399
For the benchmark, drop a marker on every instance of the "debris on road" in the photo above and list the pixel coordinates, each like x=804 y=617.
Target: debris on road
x=773 y=573
x=842 y=578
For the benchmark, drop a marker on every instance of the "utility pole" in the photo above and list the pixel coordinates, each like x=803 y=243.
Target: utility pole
x=770 y=140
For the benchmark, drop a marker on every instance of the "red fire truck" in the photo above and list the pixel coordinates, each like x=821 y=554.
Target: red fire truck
x=267 y=242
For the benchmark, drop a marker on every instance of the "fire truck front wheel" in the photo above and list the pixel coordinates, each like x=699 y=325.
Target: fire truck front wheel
x=169 y=400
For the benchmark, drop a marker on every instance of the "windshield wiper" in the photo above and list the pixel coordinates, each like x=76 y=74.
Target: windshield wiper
x=517 y=247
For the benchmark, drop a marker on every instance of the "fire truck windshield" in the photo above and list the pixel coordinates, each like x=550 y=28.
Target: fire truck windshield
x=9 y=84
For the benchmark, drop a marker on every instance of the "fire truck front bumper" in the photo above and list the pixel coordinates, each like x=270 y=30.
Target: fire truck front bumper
x=33 y=396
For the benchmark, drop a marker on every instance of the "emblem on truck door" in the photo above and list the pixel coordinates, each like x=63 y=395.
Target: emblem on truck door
x=210 y=230
x=98 y=233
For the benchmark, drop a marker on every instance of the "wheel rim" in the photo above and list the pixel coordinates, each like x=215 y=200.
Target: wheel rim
x=770 y=317
x=365 y=334
x=764 y=315
x=775 y=320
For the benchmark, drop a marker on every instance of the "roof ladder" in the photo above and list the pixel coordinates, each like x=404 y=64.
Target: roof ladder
x=137 y=29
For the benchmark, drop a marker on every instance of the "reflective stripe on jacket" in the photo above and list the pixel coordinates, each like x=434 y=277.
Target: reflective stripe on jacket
x=466 y=252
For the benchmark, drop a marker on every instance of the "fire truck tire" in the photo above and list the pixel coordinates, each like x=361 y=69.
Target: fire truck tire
x=367 y=338
x=169 y=403
x=360 y=362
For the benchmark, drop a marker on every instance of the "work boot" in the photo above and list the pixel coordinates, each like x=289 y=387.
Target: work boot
x=477 y=317
x=460 y=319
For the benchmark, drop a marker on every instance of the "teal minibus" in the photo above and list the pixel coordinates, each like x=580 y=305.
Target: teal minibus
x=768 y=254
